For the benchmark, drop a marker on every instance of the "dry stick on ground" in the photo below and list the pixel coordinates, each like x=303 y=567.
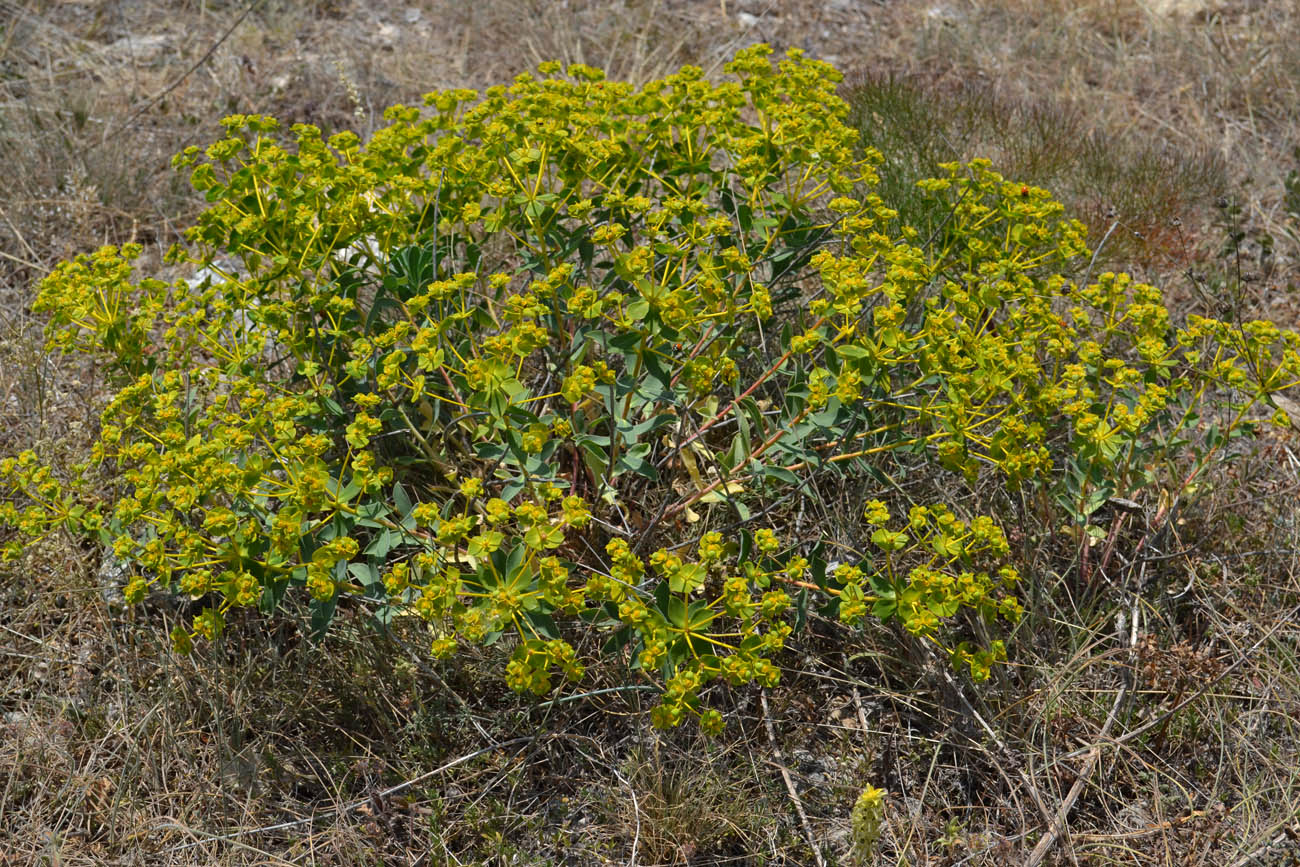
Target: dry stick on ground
x=1163 y=718
x=1246 y=654
x=789 y=783
x=1057 y=826
x=1063 y=812
x=1147 y=830
x=1274 y=843
x=1094 y=752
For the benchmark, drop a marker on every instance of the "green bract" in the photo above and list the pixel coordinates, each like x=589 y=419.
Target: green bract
x=538 y=361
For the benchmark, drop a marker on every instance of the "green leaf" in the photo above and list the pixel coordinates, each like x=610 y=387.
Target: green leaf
x=401 y=500
x=676 y=612
x=632 y=433
x=542 y=622
x=946 y=607
x=887 y=540
x=322 y=613
x=366 y=574
x=688 y=578
x=273 y=591
x=514 y=562
x=384 y=542
x=780 y=474
x=946 y=546
x=543 y=536
x=801 y=610
x=739 y=449
x=827 y=416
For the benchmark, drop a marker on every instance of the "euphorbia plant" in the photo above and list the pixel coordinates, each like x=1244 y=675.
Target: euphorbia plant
x=526 y=363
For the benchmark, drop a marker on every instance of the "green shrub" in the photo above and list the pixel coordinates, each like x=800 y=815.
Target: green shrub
x=561 y=358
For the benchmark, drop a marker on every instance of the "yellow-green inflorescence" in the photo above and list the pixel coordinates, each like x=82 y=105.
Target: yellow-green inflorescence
x=865 y=823
x=527 y=362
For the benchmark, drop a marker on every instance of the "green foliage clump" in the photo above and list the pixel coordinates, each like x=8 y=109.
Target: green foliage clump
x=558 y=358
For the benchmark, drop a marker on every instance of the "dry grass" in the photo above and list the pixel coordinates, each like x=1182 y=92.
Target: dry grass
x=1218 y=80
x=268 y=749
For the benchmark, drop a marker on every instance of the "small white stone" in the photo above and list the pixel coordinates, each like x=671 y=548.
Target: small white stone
x=940 y=12
x=142 y=49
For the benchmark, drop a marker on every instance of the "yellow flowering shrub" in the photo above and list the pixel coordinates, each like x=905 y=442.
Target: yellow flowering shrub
x=529 y=362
